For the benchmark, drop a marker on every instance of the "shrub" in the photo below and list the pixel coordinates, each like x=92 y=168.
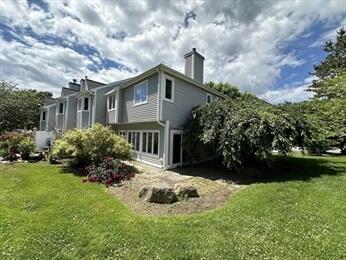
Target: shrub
x=109 y=171
x=86 y=146
x=25 y=147
x=12 y=143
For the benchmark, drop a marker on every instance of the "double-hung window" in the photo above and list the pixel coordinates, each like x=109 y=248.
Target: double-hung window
x=112 y=102
x=168 y=93
x=141 y=93
x=43 y=115
x=209 y=98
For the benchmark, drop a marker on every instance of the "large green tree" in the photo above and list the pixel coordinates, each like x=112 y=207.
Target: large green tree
x=19 y=108
x=332 y=65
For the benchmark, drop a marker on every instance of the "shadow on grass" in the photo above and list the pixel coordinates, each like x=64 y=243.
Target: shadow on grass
x=286 y=169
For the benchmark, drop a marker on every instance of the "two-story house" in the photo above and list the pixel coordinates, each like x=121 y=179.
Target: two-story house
x=149 y=110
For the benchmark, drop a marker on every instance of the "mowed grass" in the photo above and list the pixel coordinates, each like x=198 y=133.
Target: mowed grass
x=46 y=214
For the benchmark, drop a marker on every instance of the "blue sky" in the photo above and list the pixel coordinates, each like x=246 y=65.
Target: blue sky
x=264 y=47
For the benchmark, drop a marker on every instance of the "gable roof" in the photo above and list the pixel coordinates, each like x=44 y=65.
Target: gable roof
x=161 y=67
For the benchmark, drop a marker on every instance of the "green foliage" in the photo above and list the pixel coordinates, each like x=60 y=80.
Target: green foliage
x=91 y=145
x=12 y=143
x=240 y=131
x=224 y=88
x=19 y=108
x=25 y=147
x=333 y=64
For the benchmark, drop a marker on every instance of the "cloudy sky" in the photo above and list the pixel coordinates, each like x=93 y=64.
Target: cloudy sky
x=264 y=47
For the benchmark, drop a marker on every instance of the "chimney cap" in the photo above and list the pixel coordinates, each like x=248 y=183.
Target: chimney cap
x=194 y=51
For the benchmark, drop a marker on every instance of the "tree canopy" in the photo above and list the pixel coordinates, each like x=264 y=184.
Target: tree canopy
x=20 y=108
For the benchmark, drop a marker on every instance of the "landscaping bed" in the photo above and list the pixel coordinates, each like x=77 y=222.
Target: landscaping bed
x=211 y=193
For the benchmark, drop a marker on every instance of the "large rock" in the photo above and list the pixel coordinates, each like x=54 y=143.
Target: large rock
x=185 y=190
x=158 y=194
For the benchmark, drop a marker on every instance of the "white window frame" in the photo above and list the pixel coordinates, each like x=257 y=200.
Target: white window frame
x=211 y=98
x=63 y=106
x=109 y=99
x=123 y=134
x=134 y=93
x=141 y=141
x=165 y=77
x=84 y=103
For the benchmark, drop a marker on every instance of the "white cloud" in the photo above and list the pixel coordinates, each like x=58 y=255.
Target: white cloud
x=242 y=40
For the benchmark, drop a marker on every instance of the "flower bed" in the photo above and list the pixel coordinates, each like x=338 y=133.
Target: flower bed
x=110 y=171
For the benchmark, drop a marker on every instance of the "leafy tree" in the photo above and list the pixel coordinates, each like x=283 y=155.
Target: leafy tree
x=224 y=88
x=332 y=65
x=241 y=132
x=19 y=108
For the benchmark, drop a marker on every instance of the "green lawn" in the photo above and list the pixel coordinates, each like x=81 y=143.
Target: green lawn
x=46 y=213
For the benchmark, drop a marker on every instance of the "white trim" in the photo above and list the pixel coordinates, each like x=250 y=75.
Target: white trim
x=206 y=98
x=166 y=145
x=116 y=102
x=134 y=93
x=165 y=77
x=171 y=148
x=147 y=162
x=52 y=105
x=158 y=95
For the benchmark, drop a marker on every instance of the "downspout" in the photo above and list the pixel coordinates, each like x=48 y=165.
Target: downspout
x=93 y=103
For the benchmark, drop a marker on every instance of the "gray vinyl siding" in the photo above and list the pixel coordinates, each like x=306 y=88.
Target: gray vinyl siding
x=145 y=112
x=100 y=102
x=66 y=92
x=111 y=117
x=154 y=159
x=82 y=119
x=59 y=121
x=43 y=123
x=71 y=112
x=186 y=97
x=188 y=66
x=51 y=118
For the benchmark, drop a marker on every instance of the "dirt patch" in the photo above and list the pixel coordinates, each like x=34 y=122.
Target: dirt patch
x=212 y=193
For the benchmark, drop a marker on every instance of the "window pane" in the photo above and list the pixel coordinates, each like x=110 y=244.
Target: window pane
x=86 y=103
x=168 y=93
x=61 y=108
x=129 y=138
x=144 y=143
x=138 y=95
x=43 y=115
x=133 y=140
x=156 y=143
x=109 y=102
x=144 y=93
x=150 y=140
x=114 y=102
x=138 y=136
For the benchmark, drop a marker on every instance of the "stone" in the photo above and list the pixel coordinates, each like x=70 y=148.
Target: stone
x=1 y=159
x=158 y=194
x=186 y=190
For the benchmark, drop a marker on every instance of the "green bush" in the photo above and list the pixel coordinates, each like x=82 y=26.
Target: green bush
x=25 y=147
x=242 y=132
x=91 y=145
x=12 y=143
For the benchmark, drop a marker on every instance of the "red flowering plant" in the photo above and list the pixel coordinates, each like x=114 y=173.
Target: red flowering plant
x=109 y=172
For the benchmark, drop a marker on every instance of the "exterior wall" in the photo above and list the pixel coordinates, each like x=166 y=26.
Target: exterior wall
x=82 y=119
x=59 y=121
x=51 y=118
x=186 y=97
x=100 y=101
x=148 y=158
x=111 y=117
x=67 y=91
x=146 y=112
x=71 y=112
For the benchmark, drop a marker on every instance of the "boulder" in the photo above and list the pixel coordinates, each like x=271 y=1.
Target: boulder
x=186 y=190
x=158 y=194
